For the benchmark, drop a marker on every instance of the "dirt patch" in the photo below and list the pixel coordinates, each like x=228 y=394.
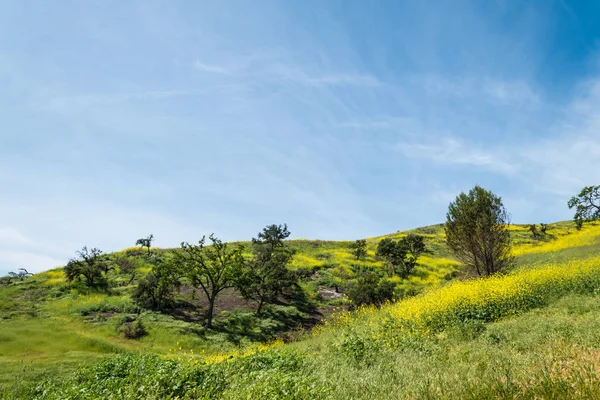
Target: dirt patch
x=101 y=316
x=327 y=293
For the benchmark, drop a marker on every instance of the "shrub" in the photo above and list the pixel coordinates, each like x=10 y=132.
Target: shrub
x=133 y=330
x=359 y=350
x=371 y=289
x=157 y=289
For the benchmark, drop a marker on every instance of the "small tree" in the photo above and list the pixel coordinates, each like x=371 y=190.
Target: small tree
x=211 y=268
x=266 y=275
x=402 y=255
x=90 y=264
x=533 y=230
x=371 y=289
x=587 y=205
x=477 y=231
x=145 y=242
x=20 y=274
x=156 y=290
x=359 y=249
x=126 y=266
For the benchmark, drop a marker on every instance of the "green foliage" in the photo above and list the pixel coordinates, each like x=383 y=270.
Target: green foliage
x=137 y=377
x=359 y=350
x=371 y=289
x=477 y=231
x=212 y=268
x=586 y=204
x=133 y=329
x=156 y=290
x=359 y=249
x=115 y=306
x=533 y=230
x=402 y=255
x=266 y=275
x=543 y=228
x=273 y=375
x=91 y=264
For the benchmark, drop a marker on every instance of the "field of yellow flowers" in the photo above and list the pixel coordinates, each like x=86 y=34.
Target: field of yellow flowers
x=485 y=299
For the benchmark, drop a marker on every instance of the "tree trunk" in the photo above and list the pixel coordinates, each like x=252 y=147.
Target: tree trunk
x=260 y=305
x=210 y=313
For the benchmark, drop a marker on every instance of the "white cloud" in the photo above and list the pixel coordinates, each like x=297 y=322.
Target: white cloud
x=212 y=68
x=451 y=151
x=570 y=159
x=516 y=92
x=408 y=125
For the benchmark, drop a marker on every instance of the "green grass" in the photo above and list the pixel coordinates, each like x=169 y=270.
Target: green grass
x=549 y=353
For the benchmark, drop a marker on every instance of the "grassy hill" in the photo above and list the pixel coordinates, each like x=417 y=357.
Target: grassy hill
x=446 y=342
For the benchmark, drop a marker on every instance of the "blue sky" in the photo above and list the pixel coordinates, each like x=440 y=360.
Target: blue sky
x=343 y=119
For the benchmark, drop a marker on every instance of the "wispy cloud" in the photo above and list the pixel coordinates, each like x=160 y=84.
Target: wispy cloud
x=213 y=68
x=63 y=102
x=514 y=92
x=570 y=158
x=267 y=117
x=451 y=151
x=273 y=69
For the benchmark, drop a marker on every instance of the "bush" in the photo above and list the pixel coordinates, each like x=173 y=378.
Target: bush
x=133 y=330
x=371 y=289
x=156 y=291
x=359 y=350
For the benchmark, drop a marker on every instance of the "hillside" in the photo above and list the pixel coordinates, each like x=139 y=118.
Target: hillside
x=49 y=328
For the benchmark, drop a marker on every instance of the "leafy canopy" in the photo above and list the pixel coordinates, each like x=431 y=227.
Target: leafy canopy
x=89 y=263
x=587 y=205
x=212 y=268
x=359 y=249
x=477 y=231
x=266 y=274
x=402 y=255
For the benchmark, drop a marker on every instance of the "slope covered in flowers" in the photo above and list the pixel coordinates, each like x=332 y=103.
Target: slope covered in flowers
x=485 y=300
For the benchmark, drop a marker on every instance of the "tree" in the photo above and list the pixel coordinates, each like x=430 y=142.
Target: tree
x=211 y=268
x=477 y=231
x=89 y=263
x=127 y=266
x=533 y=230
x=156 y=290
x=359 y=249
x=145 y=242
x=587 y=205
x=371 y=289
x=266 y=275
x=402 y=255
x=20 y=274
